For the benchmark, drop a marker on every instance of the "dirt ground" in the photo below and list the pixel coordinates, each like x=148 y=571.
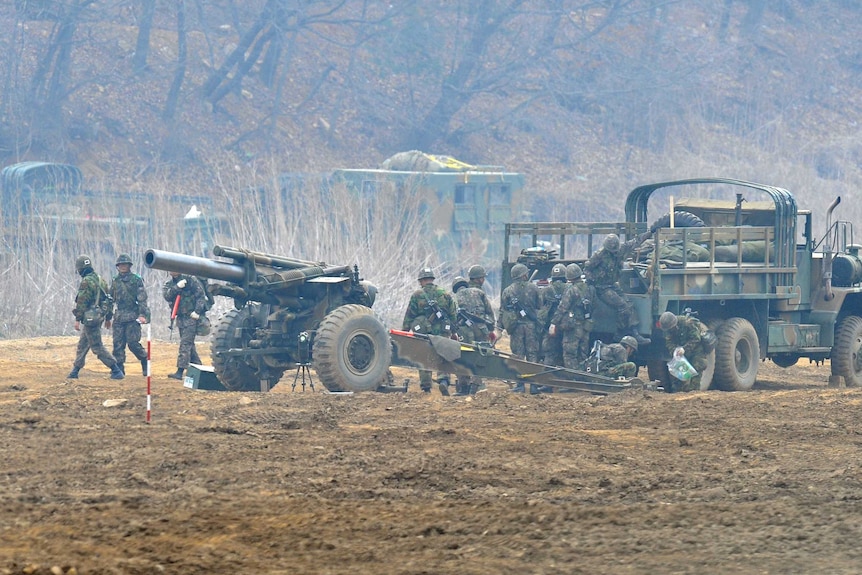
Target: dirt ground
x=295 y=482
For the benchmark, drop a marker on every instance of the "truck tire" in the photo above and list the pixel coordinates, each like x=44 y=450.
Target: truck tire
x=351 y=350
x=737 y=355
x=846 y=354
x=680 y=220
x=708 y=375
x=232 y=372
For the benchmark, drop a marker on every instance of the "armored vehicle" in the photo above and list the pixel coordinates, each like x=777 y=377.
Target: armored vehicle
x=288 y=314
x=741 y=256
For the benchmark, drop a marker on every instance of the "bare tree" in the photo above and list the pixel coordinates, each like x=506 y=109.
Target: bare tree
x=180 y=72
x=145 y=25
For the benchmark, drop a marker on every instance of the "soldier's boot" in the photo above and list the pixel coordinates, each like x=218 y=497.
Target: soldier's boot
x=535 y=389
x=476 y=388
x=144 y=366
x=443 y=386
x=519 y=387
x=122 y=367
x=73 y=374
x=116 y=372
x=178 y=374
x=639 y=338
x=461 y=388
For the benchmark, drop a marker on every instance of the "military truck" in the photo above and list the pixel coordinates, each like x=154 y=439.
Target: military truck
x=741 y=256
x=47 y=203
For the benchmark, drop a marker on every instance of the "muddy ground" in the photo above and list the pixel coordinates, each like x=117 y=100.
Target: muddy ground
x=294 y=482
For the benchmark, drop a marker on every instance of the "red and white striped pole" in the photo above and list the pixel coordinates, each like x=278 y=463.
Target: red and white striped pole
x=149 y=369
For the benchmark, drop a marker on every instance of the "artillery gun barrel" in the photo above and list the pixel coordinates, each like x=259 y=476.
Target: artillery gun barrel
x=261 y=258
x=193 y=265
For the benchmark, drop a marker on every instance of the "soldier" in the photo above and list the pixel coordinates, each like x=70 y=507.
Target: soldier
x=192 y=306
x=551 y=352
x=518 y=308
x=612 y=360
x=92 y=306
x=603 y=272
x=432 y=311
x=475 y=324
x=130 y=312
x=572 y=321
x=685 y=331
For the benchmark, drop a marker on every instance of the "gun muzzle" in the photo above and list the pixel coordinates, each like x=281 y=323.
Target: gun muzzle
x=193 y=265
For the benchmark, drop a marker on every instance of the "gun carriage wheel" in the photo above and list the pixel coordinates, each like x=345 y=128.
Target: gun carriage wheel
x=351 y=350
x=234 y=330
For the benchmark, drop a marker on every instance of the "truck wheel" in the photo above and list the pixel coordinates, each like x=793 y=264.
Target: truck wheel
x=708 y=374
x=737 y=354
x=847 y=352
x=351 y=350
x=680 y=220
x=233 y=372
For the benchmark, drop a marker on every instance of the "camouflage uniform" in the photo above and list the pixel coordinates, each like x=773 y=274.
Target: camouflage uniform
x=603 y=273
x=687 y=334
x=130 y=301
x=572 y=319
x=92 y=288
x=551 y=352
x=518 y=308
x=614 y=361
x=420 y=317
x=192 y=300
x=474 y=300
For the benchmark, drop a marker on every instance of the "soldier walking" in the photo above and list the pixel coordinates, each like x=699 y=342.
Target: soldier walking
x=192 y=306
x=518 y=308
x=475 y=322
x=431 y=310
x=572 y=320
x=130 y=313
x=92 y=307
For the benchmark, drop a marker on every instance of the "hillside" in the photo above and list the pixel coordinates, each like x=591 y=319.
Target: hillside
x=768 y=93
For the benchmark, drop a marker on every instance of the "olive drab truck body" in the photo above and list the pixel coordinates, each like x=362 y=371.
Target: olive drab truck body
x=741 y=256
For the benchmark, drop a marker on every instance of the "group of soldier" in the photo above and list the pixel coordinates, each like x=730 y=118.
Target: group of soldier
x=122 y=307
x=551 y=325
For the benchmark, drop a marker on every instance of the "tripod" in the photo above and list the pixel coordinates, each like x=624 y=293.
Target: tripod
x=303 y=370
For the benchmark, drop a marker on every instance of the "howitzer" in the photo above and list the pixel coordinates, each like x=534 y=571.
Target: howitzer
x=288 y=313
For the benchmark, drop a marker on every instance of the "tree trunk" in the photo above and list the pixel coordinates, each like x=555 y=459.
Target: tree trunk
x=142 y=47
x=180 y=74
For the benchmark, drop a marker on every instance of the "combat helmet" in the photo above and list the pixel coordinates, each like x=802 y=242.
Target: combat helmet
x=518 y=271
x=83 y=263
x=124 y=259
x=558 y=272
x=612 y=243
x=573 y=272
x=475 y=272
x=630 y=342
x=458 y=283
x=426 y=274
x=667 y=320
